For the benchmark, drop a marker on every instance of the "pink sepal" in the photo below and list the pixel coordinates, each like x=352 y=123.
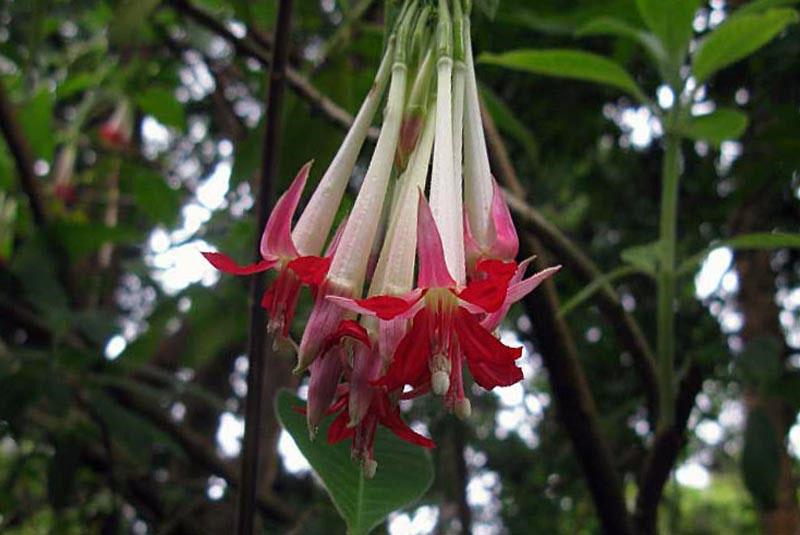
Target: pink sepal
x=277 y=237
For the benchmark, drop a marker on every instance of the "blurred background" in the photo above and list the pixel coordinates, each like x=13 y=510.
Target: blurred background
x=132 y=135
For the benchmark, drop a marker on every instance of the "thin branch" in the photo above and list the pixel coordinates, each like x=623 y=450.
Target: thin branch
x=625 y=326
x=574 y=401
x=664 y=453
x=296 y=81
x=257 y=342
x=20 y=150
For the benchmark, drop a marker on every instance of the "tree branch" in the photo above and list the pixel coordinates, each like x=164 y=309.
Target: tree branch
x=625 y=326
x=18 y=146
x=664 y=453
x=296 y=81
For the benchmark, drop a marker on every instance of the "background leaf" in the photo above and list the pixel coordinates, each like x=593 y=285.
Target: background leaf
x=404 y=471
x=671 y=21
x=161 y=104
x=738 y=38
x=717 y=126
x=566 y=63
x=620 y=28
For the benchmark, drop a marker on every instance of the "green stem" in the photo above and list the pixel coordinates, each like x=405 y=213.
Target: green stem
x=666 y=276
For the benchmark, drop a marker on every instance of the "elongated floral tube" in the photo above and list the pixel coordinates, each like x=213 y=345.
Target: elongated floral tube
x=349 y=264
x=394 y=274
x=315 y=222
x=477 y=173
x=445 y=193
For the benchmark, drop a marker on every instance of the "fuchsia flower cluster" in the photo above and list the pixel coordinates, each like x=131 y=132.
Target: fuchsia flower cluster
x=417 y=325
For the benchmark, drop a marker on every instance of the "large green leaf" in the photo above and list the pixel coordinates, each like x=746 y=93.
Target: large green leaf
x=738 y=38
x=671 y=21
x=566 y=63
x=757 y=6
x=756 y=240
x=404 y=471
x=717 y=126
x=620 y=28
x=761 y=458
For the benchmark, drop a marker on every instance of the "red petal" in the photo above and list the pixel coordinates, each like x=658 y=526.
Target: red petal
x=311 y=270
x=346 y=329
x=497 y=269
x=277 y=237
x=489 y=293
x=338 y=430
x=226 y=264
x=490 y=361
x=386 y=307
x=410 y=362
x=389 y=416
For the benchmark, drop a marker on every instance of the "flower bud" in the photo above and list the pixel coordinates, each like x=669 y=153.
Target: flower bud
x=463 y=408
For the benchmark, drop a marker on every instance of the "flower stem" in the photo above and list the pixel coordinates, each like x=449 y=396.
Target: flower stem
x=666 y=276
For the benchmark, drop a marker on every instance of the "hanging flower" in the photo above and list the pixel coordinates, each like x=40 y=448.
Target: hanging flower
x=278 y=251
x=445 y=329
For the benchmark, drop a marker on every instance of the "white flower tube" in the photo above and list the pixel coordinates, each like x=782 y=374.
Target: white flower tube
x=478 y=188
x=394 y=274
x=349 y=264
x=315 y=223
x=445 y=194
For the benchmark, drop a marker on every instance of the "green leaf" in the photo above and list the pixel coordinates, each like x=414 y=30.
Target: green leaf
x=404 y=471
x=489 y=7
x=758 y=6
x=671 y=21
x=565 y=63
x=620 y=28
x=761 y=458
x=36 y=269
x=756 y=240
x=718 y=126
x=644 y=257
x=161 y=104
x=590 y=289
x=154 y=196
x=130 y=22
x=737 y=38
x=36 y=119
